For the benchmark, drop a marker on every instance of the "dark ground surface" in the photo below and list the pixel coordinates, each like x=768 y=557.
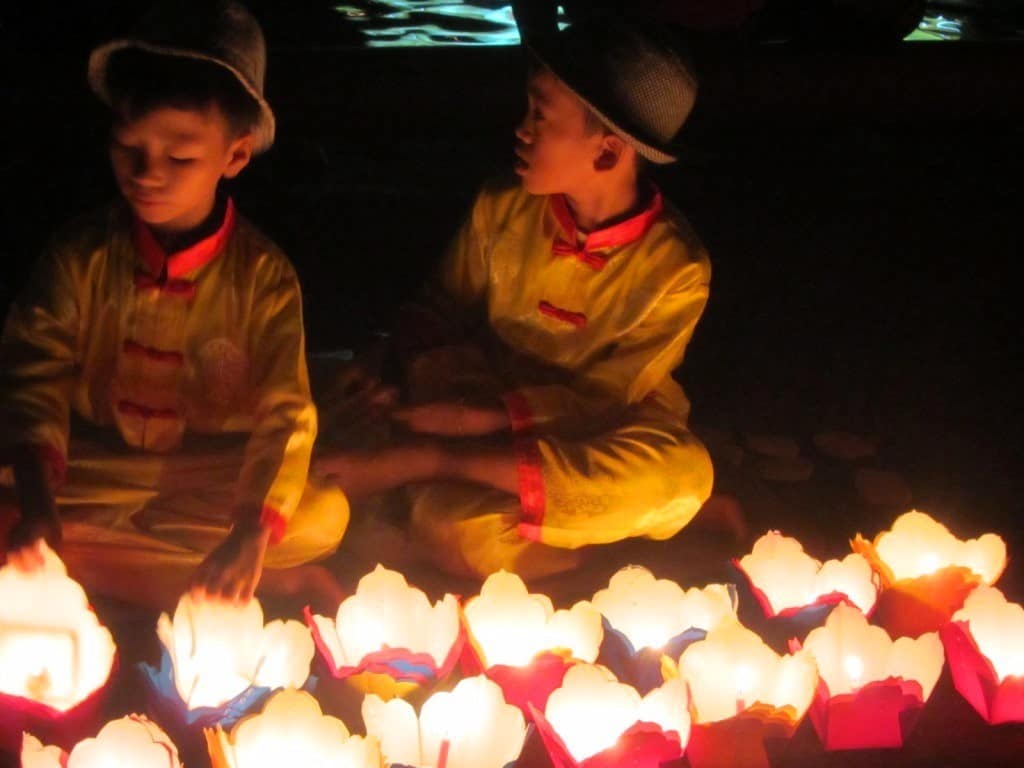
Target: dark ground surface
x=861 y=210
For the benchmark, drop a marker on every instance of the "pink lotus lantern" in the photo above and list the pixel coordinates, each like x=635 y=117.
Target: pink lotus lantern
x=927 y=572
x=594 y=721
x=745 y=699
x=522 y=643
x=220 y=661
x=55 y=659
x=131 y=742
x=871 y=689
x=646 y=618
x=291 y=730
x=787 y=581
x=387 y=638
x=985 y=647
x=469 y=727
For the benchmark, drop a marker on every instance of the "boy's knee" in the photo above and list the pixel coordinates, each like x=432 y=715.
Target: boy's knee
x=315 y=531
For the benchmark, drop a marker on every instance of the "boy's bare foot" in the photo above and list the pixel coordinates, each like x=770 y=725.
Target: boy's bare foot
x=303 y=585
x=723 y=514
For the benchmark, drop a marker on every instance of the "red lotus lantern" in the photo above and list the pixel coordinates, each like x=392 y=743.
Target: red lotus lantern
x=985 y=647
x=870 y=688
x=927 y=572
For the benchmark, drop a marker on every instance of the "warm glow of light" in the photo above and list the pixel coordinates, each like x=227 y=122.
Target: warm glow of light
x=218 y=650
x=480 y=729
x=650 y=612
x=791 y=578
x=52 y=647
x=511 y=626
x=131 y=742
x=592 y=710
x=918 y=545
x=733 y=668
x=386 y=612
x=997 y=627
x=847 y=638
x=292 y=731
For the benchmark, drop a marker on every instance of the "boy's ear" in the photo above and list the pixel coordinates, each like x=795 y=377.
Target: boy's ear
x=239 y=155
x=610 y=152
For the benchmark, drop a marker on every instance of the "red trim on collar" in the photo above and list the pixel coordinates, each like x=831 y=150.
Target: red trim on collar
x=182 y=262
x=623 y=233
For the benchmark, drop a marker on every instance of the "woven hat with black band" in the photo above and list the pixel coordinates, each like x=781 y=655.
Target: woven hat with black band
x=632 y=78
x=219 y=31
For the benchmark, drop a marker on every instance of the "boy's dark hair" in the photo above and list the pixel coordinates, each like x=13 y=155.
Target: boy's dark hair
x=139 y=81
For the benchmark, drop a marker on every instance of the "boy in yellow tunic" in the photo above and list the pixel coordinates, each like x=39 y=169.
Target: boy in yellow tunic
x=154 y=390
x=544 y=413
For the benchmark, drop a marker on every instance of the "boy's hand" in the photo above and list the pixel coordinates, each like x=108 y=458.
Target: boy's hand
x=362 y=473
x=232 y=571
x=453 y=419
x=24 y=543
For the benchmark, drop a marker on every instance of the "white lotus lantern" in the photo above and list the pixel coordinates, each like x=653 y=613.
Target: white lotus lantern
x=218 y=651
x=742 y=693
x=387 y=638
x=469 y=727
x=131 y=742
x=871 y=687
x=291 y=730
x=985 y=646
x=56 y=660
x=786 y=580
x=595 y=720
x=927 y=572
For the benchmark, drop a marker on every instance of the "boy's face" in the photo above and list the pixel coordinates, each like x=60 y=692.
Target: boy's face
x=555 y=153
x=169 y=161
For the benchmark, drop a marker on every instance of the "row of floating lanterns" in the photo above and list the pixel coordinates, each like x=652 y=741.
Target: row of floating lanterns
x=644 y=669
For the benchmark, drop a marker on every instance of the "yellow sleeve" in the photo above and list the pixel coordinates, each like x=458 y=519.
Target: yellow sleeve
x=38 y=361
x=277 y=455
x=646 y=476
x=633 y=367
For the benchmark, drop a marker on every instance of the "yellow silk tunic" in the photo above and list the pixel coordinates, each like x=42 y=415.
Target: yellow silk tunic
x=579 y=334
x=169 y=351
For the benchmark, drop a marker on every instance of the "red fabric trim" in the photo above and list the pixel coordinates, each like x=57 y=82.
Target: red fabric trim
x=192 y=258
x=183 y=288
x=519 y=411
x=132 y=348
x=623 y=233
x=130 y=408
x=273 y=519
x=531 y=483
x=577 y=319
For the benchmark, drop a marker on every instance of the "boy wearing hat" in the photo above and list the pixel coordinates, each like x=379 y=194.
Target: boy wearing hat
x=155 y=394
x=544 y=413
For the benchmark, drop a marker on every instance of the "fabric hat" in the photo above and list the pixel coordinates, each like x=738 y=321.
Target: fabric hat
x=219 y=31
x=632 y=79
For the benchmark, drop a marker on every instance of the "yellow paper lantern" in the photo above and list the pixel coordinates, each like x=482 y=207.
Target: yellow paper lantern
x=291 y=731
x=650 y=612
x=469 y=727
x=851 y=653
x=52 y=648
x=997 y=628
x=785 y=578
x=131 y=742
x=219 y=650
x=592 y=711
x=732 y=670
x=510 y=626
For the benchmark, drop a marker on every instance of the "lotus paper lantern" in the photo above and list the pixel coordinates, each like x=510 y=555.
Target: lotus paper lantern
x=387 y=638
x=131 y=742
x=870 y=688
x=469 y=727
x=291 y=731
x=220 y=661
x=55 y=658
x=521 y=642
x=647 y=617
x=787 y=581
x=744 y=697
x=927 y=572
x=985 y=647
